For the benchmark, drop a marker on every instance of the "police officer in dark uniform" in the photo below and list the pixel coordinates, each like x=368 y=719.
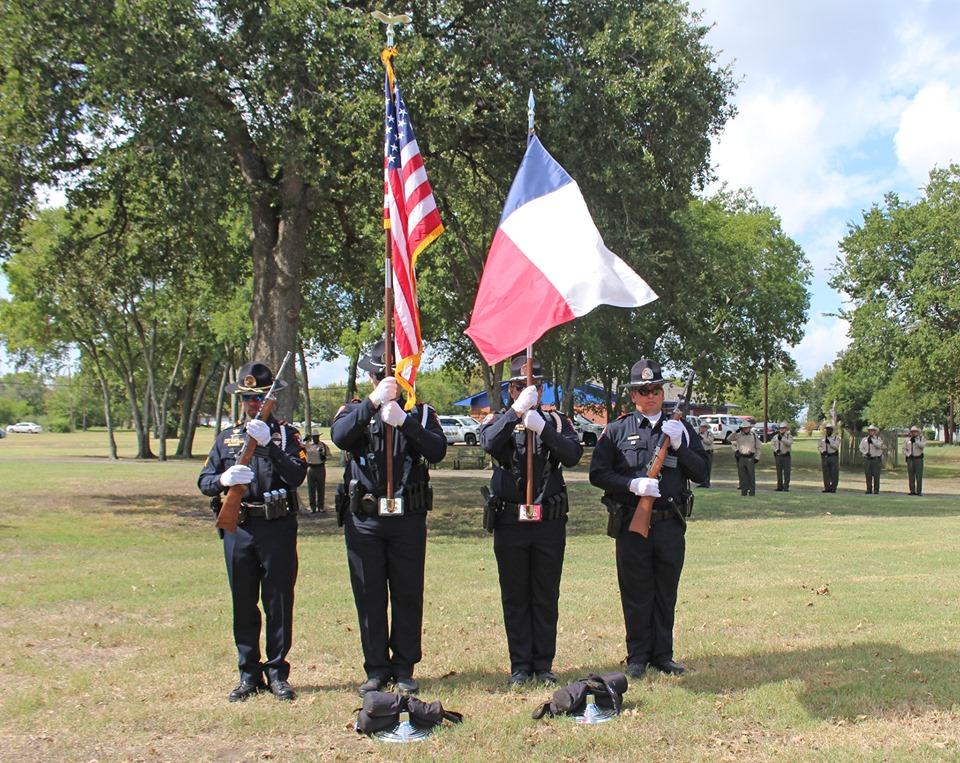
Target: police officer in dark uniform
x=648 y=569
x=529 y=541
x=386 y=548
x=261 y=555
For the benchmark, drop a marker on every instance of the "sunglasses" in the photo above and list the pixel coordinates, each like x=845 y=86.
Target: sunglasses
x=252 y=397
x=521 y=386
x=647 y=390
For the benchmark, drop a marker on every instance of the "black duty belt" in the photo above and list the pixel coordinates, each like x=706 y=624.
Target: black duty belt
x=550 y=510
x=872 y=458
x=782 y=455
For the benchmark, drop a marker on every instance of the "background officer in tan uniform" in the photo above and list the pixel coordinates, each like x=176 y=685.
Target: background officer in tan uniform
x=746 y=449
x=829 y=447
x=872 y=448
x=913 y=451
x=782 y=442
x=706 y=439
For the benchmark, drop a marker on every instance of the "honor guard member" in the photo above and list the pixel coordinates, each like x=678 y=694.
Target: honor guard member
x=913 y=451
x=261 y=555
x=648 y=569
x=872 y=447
x=529 y=541
x=746 y=449
x=386 y=545
x=829 y=447
x=782 y=444
x=706 y=439
x=317 y=454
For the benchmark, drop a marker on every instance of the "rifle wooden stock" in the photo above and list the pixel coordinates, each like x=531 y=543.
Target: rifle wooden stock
x=230 y=510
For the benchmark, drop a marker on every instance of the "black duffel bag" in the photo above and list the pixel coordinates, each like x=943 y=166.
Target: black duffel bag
x=381 y=711
x=607 y=690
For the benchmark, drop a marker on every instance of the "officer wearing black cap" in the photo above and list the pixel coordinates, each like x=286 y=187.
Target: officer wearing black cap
x=386 y=548
x=261 y=555
x=648 y=569
x=529 y=541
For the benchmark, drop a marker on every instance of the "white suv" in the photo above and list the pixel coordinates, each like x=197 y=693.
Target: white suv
x=721 y=425
x=589 y=431
x=460 y=429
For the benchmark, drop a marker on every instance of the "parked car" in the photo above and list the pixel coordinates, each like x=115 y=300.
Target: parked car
x=26 y=427
x=772 y=429
x=589 y=431
x=460 y=429
x=3 y=433
x=721 y=425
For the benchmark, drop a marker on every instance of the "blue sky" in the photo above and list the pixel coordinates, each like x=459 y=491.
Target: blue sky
x=838 y=103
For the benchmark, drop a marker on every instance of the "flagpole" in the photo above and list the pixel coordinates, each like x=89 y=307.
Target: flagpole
x=531 y=111
x=390 y=22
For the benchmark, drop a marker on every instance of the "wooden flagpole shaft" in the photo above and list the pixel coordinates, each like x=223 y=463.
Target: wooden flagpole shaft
x=530 y=432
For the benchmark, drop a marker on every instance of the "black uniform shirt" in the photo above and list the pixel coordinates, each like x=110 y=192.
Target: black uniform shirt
x=503 y=439
x=625 y=449
x=280 y=464
x=359 y=429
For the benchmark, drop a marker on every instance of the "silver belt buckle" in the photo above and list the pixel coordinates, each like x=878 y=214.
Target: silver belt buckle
x=529 y=512
x=390 y=507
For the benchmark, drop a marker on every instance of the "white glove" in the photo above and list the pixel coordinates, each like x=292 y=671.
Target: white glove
x=393 y=414
x=645 y=486
x=238 y=474
x=384 y=392
x=533 y=420
x=259 y=431
x=676 y=431
x=525 y=400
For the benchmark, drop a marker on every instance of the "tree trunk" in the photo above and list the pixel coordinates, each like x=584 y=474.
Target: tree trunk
x=492 y=376
x=307 y=413
x=107 y=417
x=570 y=383
x=195 y=410
x=351 y=390
x=279 y=245
x=221 y=394
x=186 y=402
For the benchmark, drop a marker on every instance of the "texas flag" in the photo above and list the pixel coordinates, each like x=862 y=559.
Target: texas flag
x=547 y=264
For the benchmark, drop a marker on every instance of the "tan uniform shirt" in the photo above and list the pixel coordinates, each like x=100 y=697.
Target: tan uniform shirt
x=829 y=445
x=913 y=448
x=707 y=439
x=782 y=445
x=316 y=454
x=872 y=449
x=745 y=443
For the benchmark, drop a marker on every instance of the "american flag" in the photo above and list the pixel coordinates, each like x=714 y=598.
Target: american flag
x=410 y=215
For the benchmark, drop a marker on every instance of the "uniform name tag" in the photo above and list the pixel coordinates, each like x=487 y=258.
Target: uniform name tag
x=529 y=512
x=391 y=507
x=232 y=442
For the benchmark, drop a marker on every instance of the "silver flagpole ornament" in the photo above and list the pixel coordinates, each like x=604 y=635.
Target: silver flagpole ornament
x=531 y=112
x=391 y=22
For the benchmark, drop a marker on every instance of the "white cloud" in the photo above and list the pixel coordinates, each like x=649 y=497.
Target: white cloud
x=825 y=336
x=929 y=132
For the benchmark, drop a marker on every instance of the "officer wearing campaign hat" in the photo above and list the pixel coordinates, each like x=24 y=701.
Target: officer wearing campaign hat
x=261 y=556
x=746 y=450
x=872 y=447
x=386 y=543
x=782 y=443
x=648 y=569
x=529 y=541
x=829 y=447
x=913 y=445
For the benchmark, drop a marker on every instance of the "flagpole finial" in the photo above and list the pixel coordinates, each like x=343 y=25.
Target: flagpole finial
x=391 y=22
x=531 y=111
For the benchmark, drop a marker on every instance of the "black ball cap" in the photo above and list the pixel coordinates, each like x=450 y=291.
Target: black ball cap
x=254 y=378
x=518 y=368
x=372 y=360
x=645 y=372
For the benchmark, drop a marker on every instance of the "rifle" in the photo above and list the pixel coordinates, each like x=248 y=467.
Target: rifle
x=641 y=517
x=230 y=510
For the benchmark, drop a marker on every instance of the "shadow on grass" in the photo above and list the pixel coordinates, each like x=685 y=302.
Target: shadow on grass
x=865 y=679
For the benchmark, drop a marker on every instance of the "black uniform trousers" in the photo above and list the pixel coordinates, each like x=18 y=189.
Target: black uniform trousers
x=830 y=466
x=386 y=557
x=915 y=474
x=708 y=459
x=316 y=483
x=648 y=571
x=871 y=472
x=261 y=561
x=783 y=470
x=530 y=563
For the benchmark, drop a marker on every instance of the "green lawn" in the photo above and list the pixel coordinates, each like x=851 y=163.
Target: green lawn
x=816 y=627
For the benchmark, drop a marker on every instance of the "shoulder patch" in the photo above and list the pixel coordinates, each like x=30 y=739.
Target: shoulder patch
x=302 y=454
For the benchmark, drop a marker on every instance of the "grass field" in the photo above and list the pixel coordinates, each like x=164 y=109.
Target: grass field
x=815 y=627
